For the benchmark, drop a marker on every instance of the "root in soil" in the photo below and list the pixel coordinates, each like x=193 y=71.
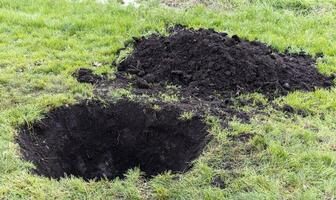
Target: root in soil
x=93 y=141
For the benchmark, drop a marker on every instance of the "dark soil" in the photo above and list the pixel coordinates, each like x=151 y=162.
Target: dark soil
x=291 y=110
x=93 y=141
x=84 y=75
x=218 y=182
x=242 y=137
x=205 y=62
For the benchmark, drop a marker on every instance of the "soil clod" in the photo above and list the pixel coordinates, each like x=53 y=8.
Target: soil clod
x=85 y=75
x=93 y=141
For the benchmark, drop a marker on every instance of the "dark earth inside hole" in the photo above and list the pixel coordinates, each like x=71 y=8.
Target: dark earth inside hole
x=93 y=141
x=205 y=62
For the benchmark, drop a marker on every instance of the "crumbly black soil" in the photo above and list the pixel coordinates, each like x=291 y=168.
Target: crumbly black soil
x=205 y=62
x=84 y=75
x=92 y=140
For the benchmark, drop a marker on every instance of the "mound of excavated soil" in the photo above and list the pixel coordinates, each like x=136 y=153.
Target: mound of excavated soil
x=205 y=62
x=90 y=140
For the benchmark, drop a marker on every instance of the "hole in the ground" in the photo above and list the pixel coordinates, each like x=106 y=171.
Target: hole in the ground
x=93 y=141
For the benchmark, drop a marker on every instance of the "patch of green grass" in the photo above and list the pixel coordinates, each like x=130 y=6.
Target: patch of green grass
x=319 y=101
x=156 y=107
x=117 y=94
x=124 y=53
x=169 y=98
x=42 y=42
x=186 y=115
x=256 y=98
x=237 y=127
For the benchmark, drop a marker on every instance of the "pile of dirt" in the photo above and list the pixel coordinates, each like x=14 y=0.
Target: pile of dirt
x=93 y=141
x=205 y=62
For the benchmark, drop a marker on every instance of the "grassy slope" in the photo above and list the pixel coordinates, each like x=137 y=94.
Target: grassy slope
x=42 y=42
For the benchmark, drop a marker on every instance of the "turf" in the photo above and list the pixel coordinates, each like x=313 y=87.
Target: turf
x=287 y=157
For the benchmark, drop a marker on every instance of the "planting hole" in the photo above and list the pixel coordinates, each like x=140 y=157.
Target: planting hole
x=93 y=141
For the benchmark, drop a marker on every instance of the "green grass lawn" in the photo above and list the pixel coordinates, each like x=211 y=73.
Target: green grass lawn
x=291 y=157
